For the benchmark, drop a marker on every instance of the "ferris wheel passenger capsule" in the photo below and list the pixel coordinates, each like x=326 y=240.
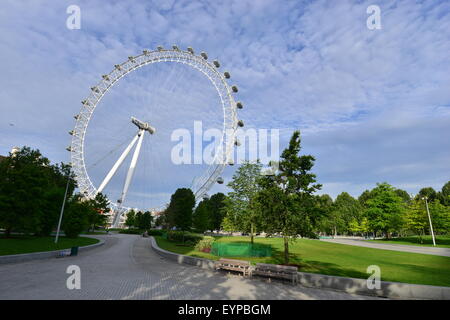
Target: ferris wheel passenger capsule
x=204 y=55
x=219 y=180
x=95 y=89
x=216 y=63
x=118 y=67
x=240 y=123
x=71 y=132
x=85 y=103
x=69 y=149
x=145 y=52
x=239 y=105
x=76 y=117
x=160 y=48
x=190 y=50
x=175 y=47
x=131 y=59
x=227 y=74
x=237 y=143
x=234 y=88
x=105 y=77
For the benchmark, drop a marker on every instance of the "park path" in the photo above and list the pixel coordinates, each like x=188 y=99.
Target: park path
x=126 y=267
x=395 y=247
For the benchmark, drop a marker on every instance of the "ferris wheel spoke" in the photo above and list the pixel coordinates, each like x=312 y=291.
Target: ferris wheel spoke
x=116 y=166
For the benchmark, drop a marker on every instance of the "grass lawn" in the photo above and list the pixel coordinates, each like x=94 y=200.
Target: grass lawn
x=26 y=244
x=341 y=260
x=441 y=241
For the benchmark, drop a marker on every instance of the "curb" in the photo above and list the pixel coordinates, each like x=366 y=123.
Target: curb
x=350 y=285
x=15 y=258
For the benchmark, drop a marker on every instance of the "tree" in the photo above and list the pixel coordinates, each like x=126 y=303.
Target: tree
x=138 y=219
x=325 y=223
x=416 y=219
x=440 y=216
x=75 y=218
x=359 y=226
x=346 y=209
x=445 y=194
x=146 y=221
x=428 y=192
x=99 y=206
x=180 y=209
x=404 y=195
x=285 y=200
x=31 y=192
x=131 y=219
x=364 y=197
x=201 y=215
x=216 y=211
x=384 y=210
x=239 y=205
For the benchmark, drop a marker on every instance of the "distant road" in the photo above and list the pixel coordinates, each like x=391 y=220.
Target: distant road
x=395 y=247
x=126 y=267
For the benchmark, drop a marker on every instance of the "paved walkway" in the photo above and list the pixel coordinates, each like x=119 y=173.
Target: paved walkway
x=126 y=267
x=395 y=247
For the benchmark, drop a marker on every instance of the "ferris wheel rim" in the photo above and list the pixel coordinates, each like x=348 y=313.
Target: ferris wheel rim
x=198 y=62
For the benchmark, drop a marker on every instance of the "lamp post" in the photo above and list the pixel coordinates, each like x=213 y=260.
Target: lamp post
x=62 y=210
x=429 y=219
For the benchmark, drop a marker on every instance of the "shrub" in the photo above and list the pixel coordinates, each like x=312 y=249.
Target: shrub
x=131 y=231
x=189 y=238
x=156 y=232
x=204 y=244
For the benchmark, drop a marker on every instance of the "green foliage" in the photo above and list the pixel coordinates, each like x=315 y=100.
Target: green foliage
x=200 y=219
x=428 y=192
x=31 y=192
x=156 y=232
x=76 y=217
x=204 y=244
x=130 y=221
x=346 y=209
x=384 y=210
x=240 y=211
x=445 y=194
x=440 y=217
x=146 y=221
x=285 y=200
x=184 y=237
x=99 y=207
x=416 y=218
x=217 y=211
x=131 y=231
x=179 y=212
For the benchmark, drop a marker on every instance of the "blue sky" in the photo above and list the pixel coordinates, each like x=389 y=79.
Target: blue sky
x=372 y=105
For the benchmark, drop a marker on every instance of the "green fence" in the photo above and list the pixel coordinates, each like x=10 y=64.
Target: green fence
x=238 y=249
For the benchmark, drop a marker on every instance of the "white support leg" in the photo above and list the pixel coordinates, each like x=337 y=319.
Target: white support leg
x=113 y=170
x=129 y=176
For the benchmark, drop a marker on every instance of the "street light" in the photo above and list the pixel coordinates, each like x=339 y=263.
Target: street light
x=429 y=219
x=62 y=210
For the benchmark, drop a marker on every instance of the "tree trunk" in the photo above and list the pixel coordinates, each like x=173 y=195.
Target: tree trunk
x=286 y=250
x=8 y=232
x=251 y=233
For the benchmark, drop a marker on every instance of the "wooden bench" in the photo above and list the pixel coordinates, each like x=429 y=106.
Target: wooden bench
x=276 y=271
x=233 y=265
